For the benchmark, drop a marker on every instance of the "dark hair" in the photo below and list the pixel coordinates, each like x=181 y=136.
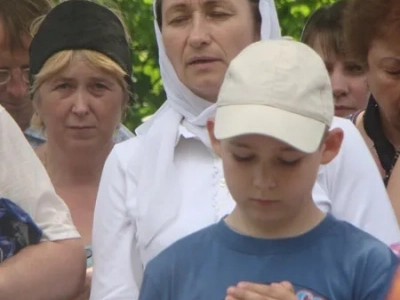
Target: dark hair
x=367 y=20
x=326 y=24
x=18 y=16
x=254 y=3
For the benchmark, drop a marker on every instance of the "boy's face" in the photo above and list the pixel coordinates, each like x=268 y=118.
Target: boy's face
x=269 y=180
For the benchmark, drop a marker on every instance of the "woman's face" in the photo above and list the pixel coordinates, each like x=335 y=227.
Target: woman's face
x=81 y=106
x=384 y=78
x=348 y=80
x=201 y=37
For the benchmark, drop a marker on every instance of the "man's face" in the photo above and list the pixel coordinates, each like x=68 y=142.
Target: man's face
x=14 y=78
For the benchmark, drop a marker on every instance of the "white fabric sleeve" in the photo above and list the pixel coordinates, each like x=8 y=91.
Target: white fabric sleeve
x=356 y=189
x=25 y=182
x=118 y=271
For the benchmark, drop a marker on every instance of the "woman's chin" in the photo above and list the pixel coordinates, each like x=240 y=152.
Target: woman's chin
x=206 y=89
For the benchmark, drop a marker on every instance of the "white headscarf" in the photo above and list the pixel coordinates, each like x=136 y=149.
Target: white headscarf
x=156 y=177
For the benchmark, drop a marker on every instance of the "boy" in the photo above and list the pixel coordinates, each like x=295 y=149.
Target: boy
x=271 y=131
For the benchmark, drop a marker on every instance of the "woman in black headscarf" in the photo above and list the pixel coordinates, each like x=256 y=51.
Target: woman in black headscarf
x=81 y=82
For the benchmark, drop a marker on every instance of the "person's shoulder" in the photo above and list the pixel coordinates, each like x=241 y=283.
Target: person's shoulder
x=370 y=262
x=122 y=134
x=352 y=136
x=362 y=245
x=182 y=256
x=184 y=251
x=127 y=150
x=5 y=117
x=190 y=244
x=343 y=123
x=353 y=151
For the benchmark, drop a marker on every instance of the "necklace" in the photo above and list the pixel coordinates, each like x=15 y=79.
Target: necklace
x=396 y=156
x=384 y=149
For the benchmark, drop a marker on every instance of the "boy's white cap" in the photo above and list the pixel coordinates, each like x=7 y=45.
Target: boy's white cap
x=278 y=88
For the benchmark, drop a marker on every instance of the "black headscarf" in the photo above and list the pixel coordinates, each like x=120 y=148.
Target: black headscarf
x=81 y=25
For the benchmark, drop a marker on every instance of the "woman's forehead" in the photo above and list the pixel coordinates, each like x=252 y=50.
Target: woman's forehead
x=177 y=4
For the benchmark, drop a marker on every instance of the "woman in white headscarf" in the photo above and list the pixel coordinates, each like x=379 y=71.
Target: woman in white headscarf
x=166 y=183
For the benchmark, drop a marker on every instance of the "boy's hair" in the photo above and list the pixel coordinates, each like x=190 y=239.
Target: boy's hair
x=367 y=20
x=18 y=15
x=326 y=25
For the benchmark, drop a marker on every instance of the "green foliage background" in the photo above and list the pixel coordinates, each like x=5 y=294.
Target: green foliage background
x=138 y=16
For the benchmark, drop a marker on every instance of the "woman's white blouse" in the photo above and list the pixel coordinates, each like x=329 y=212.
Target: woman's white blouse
x=349 y=187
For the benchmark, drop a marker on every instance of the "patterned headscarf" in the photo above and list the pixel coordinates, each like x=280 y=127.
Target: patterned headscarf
x=17 y=229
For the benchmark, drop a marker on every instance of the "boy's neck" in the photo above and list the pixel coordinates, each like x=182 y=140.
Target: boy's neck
x=292 y=226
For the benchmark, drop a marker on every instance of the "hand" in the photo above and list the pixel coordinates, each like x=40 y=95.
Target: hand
x=255 y=291
x=394 y=292
x=85 y=294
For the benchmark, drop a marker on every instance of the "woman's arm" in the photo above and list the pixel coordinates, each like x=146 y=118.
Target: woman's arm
x=54 y=268
x=25 y=182
x=48 y=270
x=117 y=271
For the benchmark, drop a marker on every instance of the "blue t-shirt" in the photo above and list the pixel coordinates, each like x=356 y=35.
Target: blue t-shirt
x=333 y=261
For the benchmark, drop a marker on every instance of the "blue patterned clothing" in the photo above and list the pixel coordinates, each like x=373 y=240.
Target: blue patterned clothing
x=17 y=229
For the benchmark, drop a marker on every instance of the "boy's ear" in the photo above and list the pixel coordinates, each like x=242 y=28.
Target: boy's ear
x=331 y=145
x=215 y=143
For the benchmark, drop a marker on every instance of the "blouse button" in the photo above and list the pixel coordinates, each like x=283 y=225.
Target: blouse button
x=222 y=183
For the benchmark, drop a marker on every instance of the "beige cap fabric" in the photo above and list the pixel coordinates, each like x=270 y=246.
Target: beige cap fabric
x=277 y=88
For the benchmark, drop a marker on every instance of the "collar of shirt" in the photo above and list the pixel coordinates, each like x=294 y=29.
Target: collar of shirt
x=183 y=132
x=35 y=136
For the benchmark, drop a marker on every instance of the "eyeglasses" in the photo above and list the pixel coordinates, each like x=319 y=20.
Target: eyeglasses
x=5 y=76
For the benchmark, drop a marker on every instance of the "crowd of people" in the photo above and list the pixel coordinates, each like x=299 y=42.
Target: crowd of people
x=270 y=171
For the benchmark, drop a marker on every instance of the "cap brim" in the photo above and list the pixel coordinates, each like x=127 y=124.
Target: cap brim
x=300 y=132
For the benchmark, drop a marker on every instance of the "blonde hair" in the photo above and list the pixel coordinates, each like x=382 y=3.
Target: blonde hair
x=61 y=60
